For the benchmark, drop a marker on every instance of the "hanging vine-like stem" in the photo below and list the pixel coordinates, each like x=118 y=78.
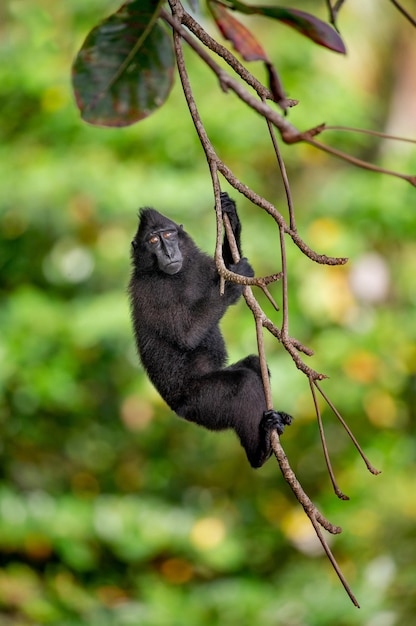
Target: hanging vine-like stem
x=216 y=166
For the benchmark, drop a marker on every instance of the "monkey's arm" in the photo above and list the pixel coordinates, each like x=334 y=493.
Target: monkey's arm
x=229 y=208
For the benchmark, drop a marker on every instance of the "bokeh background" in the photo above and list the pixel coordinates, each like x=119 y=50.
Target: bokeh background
x=112 y=510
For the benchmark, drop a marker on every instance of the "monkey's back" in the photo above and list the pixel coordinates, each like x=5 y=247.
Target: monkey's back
x=174 y=342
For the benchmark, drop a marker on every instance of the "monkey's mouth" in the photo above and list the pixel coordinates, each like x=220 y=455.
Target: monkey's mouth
x=174 y=267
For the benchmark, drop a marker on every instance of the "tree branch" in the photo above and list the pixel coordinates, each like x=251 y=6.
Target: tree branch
x=289 y=133
x=216 y=166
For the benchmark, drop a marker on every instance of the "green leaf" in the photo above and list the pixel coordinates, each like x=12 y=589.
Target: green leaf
x=305 y=23
x=124 y=69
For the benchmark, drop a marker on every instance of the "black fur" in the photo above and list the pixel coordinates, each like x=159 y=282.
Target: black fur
x=176 y=323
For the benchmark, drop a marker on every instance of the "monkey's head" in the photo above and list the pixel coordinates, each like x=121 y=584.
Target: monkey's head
x=156 y=244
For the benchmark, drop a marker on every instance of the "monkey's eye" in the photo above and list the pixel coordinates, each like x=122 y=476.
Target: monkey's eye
x=154 y=239
x=167 y=235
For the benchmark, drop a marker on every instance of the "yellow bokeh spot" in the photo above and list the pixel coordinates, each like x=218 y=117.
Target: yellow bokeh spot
x=339 y=299
x=298 y=529
x=381 y=408
x=208 y=533
x=296 y=525
x=335 y=300
x=324 y=231
x=362 y=366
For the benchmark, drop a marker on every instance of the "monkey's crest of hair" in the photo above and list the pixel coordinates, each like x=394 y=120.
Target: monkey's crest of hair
x=151 y=221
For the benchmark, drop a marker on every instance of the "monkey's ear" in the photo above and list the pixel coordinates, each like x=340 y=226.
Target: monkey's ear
x=134 y=244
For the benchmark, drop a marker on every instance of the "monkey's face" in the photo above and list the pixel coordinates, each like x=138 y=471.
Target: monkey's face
x=157 y=243
x=164 y=245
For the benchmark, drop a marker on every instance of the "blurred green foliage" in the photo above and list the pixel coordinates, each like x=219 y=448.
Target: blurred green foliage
x=112 y=510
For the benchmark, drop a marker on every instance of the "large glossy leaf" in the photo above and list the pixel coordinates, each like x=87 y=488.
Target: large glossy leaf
x=305 y=23
x=242 y=39
x=124 y=70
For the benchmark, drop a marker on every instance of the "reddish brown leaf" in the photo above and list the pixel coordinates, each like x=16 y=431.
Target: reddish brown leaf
x=242 y=39
x=305 y=23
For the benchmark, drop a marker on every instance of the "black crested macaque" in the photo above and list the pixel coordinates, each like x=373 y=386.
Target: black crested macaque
x=176 y=309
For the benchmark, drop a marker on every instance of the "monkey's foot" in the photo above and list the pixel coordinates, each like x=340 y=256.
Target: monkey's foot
x=275 y=420
x=271 y=420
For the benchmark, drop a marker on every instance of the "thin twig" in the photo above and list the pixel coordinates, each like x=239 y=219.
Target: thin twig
x=337 y=490
x=284 y=175
x=311 y=511
x=404 y=12
x=332 y=15
x=285 y=299
x=333 y=11
x=359 y=162
x=263 y=364
x=334 y=564
x=366 y=131
x=370 y=467
x=269 y=295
